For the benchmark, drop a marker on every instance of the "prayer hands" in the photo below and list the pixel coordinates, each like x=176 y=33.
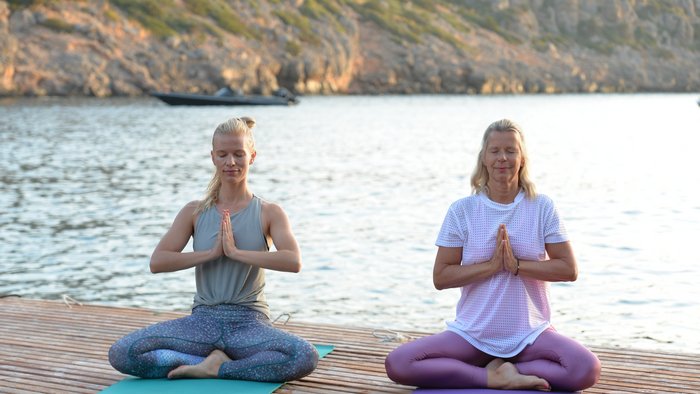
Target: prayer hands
x=503 y=256
x=225 y=245
x=228 y=242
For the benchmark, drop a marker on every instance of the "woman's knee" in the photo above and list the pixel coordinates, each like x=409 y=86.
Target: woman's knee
x=305 y=360
x=119 y=356
x=397 y=365
x=309 y=355
x=584 y=373
x=589 y=371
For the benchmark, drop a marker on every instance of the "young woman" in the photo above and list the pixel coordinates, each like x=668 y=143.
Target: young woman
x=501 y=247
x=228 y=334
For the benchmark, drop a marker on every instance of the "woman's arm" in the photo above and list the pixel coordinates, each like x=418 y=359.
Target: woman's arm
x=561 y=266
x=168 y=256
x=449 y=272
x=287 y=256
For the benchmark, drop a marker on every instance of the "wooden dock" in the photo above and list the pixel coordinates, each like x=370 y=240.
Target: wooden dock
x=54 y=347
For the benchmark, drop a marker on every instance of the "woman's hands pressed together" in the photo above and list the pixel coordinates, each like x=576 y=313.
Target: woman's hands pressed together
x=560 y=267
x=503 y=257
x=229 y=242
x=225 y=244
x=286 y=258
x=448 y=271
x=510 y=262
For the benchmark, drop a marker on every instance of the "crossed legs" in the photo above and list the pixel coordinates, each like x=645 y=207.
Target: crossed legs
x=446 y=360
x=229 y=343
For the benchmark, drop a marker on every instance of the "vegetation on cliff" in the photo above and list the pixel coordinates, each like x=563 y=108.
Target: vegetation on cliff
x=128 y=47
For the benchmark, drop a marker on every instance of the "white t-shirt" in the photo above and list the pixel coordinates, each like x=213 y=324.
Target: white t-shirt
x=504 y=313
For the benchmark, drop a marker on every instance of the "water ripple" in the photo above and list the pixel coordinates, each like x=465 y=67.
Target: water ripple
x=90 y=186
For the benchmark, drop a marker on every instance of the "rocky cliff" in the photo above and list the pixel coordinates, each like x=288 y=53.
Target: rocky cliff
x=128 y=48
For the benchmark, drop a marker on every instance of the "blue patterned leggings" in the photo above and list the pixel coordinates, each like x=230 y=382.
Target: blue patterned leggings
x=258 y=351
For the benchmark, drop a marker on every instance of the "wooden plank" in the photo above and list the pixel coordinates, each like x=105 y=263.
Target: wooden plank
x=48 y=347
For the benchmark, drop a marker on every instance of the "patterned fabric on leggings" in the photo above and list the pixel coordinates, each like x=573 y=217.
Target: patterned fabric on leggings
x=446 y=360
x=258 y=351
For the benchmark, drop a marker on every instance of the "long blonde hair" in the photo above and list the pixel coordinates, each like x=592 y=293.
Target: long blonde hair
x=234 y=126
x=480 y=176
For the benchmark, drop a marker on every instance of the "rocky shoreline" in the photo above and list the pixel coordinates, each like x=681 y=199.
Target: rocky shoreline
x=104 y=49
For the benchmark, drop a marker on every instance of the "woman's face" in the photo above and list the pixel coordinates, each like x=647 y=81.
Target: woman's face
x=232 y=157
x=502 y=156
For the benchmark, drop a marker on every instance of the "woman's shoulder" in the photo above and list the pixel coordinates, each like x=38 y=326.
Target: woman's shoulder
x=466 y=201
x=271 y=213
x=542 y=202
x=542 y=199
x=192 y=205
x=193 y=208
x=188 y=213
x=268 y=207
x=464 y=206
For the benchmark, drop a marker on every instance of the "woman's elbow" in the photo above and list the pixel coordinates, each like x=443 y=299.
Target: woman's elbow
x=439 y=283
x=295 y=267
x=154 y=268
x=155 y=264
x=572 y=275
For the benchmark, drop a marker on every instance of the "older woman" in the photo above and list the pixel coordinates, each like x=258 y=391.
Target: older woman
x=501 y=246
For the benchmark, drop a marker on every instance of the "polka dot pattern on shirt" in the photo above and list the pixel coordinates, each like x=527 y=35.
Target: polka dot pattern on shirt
x=502 y=314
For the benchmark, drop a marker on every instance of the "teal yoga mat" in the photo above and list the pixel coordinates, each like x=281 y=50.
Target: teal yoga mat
x=198 y=386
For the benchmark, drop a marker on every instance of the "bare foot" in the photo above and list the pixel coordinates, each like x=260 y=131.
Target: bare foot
x=209 y=368
x=494 y=364
x=507 y=377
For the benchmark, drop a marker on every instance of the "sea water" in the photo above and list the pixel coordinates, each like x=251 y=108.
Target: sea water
x=89 y=186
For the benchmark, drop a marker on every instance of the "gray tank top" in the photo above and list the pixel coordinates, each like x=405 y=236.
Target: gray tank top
x=226 y=281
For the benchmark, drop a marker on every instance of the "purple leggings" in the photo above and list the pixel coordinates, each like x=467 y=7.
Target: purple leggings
x=447 y=360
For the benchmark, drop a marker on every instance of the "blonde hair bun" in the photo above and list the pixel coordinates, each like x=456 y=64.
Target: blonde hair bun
x=250 y=122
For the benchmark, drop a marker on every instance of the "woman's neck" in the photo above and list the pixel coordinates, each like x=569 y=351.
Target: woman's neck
x=231 y=196
x=502 y=193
